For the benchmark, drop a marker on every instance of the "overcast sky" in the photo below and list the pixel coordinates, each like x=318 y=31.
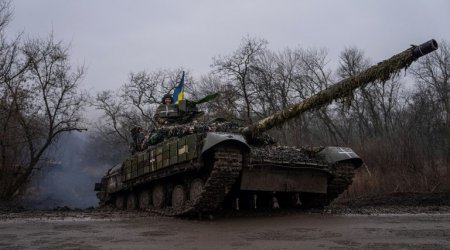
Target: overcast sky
x=114 y=38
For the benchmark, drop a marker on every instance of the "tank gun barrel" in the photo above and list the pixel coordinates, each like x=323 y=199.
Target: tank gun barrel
x=344 y=88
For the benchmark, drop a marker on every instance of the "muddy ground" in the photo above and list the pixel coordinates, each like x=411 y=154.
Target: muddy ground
x=396 y=221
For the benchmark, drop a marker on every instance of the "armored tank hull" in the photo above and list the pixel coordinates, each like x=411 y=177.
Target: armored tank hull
x=204 y=172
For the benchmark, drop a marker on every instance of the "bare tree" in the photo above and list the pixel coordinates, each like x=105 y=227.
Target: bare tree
x=262 y=79
x=312 y=76
x=5 y=14
x=237 y=68
x=115 y=125
x=41 y=102
x=372 y=109
x=226 y=105
x=12 y=63
x=273 y=77
x=430 y=104
x=433 y=75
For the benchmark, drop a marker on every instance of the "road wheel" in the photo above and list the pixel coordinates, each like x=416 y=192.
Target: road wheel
x=196 y=189
x=144 y=198
x=120 y=201
x=158 y=196
x=132 y=201
x=178 y=196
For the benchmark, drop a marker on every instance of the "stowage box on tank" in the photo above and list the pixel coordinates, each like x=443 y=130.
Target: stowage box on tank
x=196 y=167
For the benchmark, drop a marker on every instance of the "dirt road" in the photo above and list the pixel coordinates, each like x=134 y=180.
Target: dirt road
x=298 y=231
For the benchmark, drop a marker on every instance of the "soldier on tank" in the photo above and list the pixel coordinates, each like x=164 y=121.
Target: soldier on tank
x=167 y=99
x=138 y=136
x=167 y=112
x=162 y=117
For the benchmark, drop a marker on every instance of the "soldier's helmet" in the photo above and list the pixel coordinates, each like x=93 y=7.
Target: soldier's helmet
x=166 y=96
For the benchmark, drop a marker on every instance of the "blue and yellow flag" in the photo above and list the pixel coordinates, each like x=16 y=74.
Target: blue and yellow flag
x=178 y=93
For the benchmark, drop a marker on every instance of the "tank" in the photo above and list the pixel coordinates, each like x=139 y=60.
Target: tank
x=189 y=167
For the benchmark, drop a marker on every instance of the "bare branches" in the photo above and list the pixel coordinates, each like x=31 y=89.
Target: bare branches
x=433 y=75
x=113 y=109
x=55 y=87
x=39 y=100
x=226 y=105
x=5 y=14
x=237 y=67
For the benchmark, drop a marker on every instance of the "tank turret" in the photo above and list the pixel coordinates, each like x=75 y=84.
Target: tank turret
x=183 y=112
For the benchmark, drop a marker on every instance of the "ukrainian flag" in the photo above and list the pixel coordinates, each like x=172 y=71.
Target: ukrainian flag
x=178 y=93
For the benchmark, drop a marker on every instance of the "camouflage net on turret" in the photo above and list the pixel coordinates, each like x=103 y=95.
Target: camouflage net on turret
x=285 y=155
x=170 y=131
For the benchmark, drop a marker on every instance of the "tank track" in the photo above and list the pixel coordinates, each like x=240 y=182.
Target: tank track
x=343 y=173
x=224 y=173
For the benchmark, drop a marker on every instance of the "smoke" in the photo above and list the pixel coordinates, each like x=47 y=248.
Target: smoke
x=68 y=179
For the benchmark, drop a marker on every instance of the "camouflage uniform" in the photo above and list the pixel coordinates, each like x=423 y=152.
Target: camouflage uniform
x=138 y=137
